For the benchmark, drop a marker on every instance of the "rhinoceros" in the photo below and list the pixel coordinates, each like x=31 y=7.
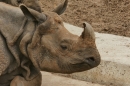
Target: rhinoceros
x=41 y=44
x=34 y=4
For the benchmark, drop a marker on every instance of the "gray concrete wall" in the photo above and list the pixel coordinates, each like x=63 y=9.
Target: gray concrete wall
x=49 y=79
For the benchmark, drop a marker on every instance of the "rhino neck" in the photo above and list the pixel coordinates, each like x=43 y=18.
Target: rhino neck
x=10 y=20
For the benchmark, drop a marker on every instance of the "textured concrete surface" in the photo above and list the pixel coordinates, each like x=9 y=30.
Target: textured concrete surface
x=54 y=80
x=114 y=69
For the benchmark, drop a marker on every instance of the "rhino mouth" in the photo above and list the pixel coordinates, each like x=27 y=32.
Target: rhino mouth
x=82 y=63
x=87 y=63
x=77 y=67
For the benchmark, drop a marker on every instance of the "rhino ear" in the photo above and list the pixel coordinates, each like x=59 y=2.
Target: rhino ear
x=27 y=13
x=61 y=8
x=32 y=14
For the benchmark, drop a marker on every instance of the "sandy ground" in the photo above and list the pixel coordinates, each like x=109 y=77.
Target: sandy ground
x=106 y=16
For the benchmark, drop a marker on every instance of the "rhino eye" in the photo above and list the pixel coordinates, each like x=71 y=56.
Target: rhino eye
x=64 y=47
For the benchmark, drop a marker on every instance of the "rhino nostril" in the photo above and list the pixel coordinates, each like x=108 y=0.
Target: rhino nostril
x=90 y=59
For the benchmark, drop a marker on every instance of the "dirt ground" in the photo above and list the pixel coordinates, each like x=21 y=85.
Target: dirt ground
x=106 y=16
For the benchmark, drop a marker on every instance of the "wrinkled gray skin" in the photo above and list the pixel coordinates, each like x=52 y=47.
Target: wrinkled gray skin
x=34 y=4
x=43 y=45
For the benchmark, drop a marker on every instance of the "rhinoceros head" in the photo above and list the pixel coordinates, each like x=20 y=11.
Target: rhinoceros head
x=53 y=48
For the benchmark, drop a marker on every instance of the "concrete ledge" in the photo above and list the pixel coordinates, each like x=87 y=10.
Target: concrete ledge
x=114 y=69
x=49 y=79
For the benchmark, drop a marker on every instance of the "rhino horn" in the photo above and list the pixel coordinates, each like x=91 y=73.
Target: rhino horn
x=32 y=14
x=88 y=32
x=61 y=8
